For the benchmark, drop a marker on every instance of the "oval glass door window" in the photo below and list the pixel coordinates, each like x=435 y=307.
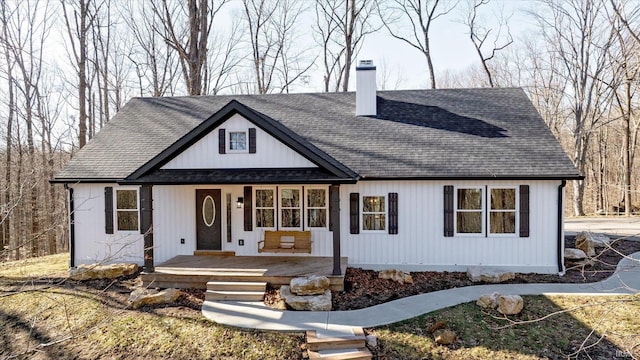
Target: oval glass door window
x=208 y=211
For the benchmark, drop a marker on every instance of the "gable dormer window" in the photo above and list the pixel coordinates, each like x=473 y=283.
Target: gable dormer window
x=238 y=141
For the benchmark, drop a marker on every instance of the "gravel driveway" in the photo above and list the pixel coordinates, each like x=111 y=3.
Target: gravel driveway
x=613 y=226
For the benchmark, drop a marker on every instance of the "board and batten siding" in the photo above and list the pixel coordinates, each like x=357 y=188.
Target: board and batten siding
x=92 y=243
x=174 y=218
x=421 y=244
x=270 y=152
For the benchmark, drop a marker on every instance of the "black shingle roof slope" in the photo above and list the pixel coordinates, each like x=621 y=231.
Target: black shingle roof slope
x=447 y=134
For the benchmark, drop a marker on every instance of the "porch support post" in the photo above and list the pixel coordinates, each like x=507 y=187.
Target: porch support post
x=146 y=225
x=334 y=194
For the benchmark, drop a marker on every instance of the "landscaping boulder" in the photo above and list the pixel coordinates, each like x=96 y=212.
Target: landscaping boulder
x=95 y=272
x=588 y=242
x=372 y=341
x=142 y=297
x=490 y=275
x=309 y=302
x=396 y=275
x=510 y=304
x=574 y=254
x=312 y=285
x=445 y=337
x=488 y=301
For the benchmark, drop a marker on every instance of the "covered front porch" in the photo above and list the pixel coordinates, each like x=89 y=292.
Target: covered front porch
x=194 y=271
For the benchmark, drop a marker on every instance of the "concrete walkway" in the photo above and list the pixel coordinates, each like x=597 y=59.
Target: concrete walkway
x=255 y=315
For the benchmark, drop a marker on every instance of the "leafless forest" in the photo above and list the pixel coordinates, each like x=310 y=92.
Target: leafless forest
x=581 y=68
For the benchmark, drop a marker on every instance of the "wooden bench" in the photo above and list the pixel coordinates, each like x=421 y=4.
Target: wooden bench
x=286 y=242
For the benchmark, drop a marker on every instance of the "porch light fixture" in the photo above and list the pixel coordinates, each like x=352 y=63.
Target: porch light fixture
x=240 y=202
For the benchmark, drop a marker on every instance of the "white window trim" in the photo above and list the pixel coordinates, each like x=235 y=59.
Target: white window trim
x=307 y=207
x=275 y=207
x=301 y=207
x=115 y=209
x=517 y=210
x=386 y=214
x=228 y=145
x=483 y=207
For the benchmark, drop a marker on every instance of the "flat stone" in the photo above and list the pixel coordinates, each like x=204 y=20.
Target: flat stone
x=396 y=275
x=487 y=274
x=510 y=304
x=311 y=285
x=95 y=272
x=308 y=302
x=574 y=254
x=142 y=297
x=488 y=301
x=445 y=337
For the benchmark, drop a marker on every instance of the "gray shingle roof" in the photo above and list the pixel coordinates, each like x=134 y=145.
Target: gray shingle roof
x=453 y=133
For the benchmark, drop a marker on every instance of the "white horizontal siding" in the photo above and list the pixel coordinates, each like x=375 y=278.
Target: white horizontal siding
x=270 y=152
x=92 y=244
x=420 y=243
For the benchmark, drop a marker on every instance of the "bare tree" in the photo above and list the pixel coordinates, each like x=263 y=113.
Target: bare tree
x=272 y=27
x=420 y=14
x=481 y=35
x=193 y=51
x=341 y=26
x=578 y=33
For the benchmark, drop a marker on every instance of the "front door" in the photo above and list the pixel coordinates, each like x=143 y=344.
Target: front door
x=208 y=214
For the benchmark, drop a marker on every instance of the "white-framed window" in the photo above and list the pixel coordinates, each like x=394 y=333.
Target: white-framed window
x=469 y=210
x=238 y=141
x=317 y=204
x=290 y=208
x=127 y=218
x=265 y=207
x=374 y=213
x=503 y=210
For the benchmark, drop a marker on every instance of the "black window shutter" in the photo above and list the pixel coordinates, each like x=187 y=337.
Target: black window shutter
x=448 y=210
x=108 y=210
x=354 y=212
x=222 y=142
x=248 y=208
x=252 y=140
x=524 y=210
x=393 y=213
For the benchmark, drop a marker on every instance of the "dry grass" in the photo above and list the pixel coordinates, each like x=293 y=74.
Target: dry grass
x=44 y=266
x=597 y=327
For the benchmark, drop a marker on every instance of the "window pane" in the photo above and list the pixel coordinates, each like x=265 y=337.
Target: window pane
x=503 y=199
x=374 y=221
x=127 y=220
x=503 y=222
x=373 y=204
x=469 y=222
x=238 y=140
x=316 y=198
x=290 y=217
x=290 y=197
x=264 y=218
x=126 y=199
x=317 y=217
x=264 y=198
x=470 y=199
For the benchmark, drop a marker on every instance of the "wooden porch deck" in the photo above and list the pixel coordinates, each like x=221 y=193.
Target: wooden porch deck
x=194 y=271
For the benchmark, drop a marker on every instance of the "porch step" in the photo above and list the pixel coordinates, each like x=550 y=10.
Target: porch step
x=234 y=295
x=237 y=286
x=235 y=291
x=337 y=345
x=214 y=253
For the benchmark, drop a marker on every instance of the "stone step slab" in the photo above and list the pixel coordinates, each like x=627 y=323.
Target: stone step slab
x=317 y=341
x=340 y=354
x=227 y=295
x=237 y=286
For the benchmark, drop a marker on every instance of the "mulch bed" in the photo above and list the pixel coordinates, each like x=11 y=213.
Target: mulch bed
x=363 y=288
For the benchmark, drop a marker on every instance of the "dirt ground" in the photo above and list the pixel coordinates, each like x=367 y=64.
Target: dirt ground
x=363 y=288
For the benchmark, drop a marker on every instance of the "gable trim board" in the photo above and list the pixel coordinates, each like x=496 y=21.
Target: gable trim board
x=270 y=126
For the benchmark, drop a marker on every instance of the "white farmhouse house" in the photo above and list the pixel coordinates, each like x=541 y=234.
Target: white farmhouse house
x=410 y=179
